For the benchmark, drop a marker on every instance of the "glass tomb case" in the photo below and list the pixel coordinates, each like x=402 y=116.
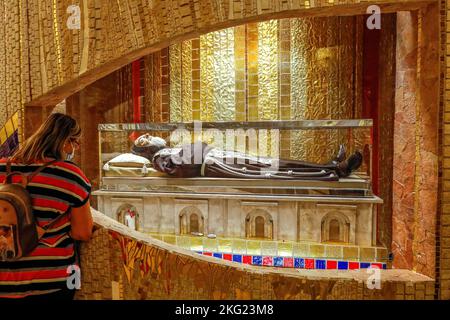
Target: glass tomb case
x=279 y=145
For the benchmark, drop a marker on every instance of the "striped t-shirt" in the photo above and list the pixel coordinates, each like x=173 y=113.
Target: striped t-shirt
x=54 y=191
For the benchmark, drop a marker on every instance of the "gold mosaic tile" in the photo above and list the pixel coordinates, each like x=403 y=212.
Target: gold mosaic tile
x=157 y=236
x=351 y=253
x=225 y=245
x=285 y=249
x=367 y=254
x=197 y=244
x=169 y=239
x=253 y=247
x=210 y=245
x=184 y=242
x=300 y=249
x=334 y=252
x=269 y=248
x=239 y=246
x=382 y=254
x=317 y=250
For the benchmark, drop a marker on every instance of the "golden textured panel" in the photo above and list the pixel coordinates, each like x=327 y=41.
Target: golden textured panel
x=206 y=77
x=240 y=71
x=195 y=44
x=217 y=79
x=165 y=86
x=176 y=113
x=284 y=72
x=252 y=71
x=322 y=64
x=56 y=36
x=268 y=70
x=267 y=82
x=186 y=81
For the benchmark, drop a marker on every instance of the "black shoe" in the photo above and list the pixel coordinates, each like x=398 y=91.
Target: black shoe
x=345 y=168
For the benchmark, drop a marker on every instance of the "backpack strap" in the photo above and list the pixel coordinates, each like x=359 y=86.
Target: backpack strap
x=39 y=170
x=42 y=230
x=25 y=179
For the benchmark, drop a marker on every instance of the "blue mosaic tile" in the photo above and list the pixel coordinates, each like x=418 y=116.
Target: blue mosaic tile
x=257 y=260
x=237 y=258
x=277 y=261
x=299 y=263
x=199 y=252
x=343 y=265
x=217 y=255
x=364 y=265
x=320 y=264
x=384 y=266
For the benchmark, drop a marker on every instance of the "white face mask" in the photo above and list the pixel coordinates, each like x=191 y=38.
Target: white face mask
x=70 y=156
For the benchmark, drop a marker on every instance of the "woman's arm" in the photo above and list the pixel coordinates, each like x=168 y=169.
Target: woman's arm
x=82 y=223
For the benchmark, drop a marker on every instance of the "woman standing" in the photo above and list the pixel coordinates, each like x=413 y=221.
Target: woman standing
x=60 y=198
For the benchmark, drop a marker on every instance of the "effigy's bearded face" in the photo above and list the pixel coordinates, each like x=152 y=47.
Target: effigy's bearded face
x=147 y=145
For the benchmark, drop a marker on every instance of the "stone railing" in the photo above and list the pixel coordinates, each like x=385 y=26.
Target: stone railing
x=120 y=263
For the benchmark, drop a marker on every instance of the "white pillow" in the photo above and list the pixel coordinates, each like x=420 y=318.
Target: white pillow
x=129 y=160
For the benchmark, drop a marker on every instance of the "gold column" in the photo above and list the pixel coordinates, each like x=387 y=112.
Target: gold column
x=240 y=71
x=176 y=111
x=186 y=81
x=268 y=70
x=284 y=71
x=196 y=79
x=206 y=77
x=268 y=98
x=323 y=60
x=252 y=71
x=217 y=74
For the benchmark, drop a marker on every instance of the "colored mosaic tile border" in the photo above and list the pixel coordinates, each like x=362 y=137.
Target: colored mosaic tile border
x=9 y=136
x=294 y=262
x=278 y=248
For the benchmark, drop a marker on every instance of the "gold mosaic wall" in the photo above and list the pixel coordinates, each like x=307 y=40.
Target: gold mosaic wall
x=277 y=69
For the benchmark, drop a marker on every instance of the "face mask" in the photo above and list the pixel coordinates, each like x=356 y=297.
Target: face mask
x=70 y=156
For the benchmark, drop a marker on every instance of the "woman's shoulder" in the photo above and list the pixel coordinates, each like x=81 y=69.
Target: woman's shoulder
x=71 y=167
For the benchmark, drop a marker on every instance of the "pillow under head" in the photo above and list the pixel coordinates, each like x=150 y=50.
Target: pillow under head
x=129 y=160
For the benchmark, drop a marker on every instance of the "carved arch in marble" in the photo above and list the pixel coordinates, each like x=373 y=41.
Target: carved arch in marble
x=335 y=227
x=259 y=224
x=191 y=220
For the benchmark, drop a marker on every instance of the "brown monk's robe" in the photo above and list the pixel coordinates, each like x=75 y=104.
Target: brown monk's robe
x=199 y=159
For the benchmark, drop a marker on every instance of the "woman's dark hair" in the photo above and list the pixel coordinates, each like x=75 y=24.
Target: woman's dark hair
x=48 y=141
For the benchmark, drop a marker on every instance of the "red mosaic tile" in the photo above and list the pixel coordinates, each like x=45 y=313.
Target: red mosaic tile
x=267 y=261
x=353 y=265
x=377 y=265
x=247 y=259
x=331 y=264
x=288 y=262
x=227 y=257
x=309 y=263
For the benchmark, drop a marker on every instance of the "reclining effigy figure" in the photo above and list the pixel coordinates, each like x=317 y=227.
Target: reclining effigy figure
x=201 y=160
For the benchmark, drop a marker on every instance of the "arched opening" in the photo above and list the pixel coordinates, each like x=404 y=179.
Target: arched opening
x=259 y=224
x=259 y=227
x=335 y=228
x=193 y=223
x=334 y=231
x=128 y=215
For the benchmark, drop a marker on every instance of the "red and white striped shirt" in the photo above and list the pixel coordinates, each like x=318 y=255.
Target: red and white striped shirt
x=54 y=191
